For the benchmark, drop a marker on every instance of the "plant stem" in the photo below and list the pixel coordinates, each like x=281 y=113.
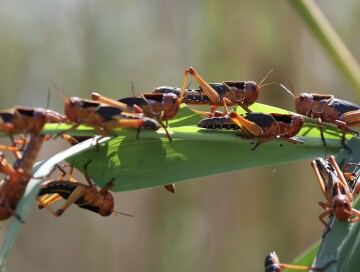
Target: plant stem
x=331 y=42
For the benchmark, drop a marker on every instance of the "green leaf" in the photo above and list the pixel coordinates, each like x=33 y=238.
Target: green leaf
x=154 y=161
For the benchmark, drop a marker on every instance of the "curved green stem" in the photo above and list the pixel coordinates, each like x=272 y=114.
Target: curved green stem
x=331 y=42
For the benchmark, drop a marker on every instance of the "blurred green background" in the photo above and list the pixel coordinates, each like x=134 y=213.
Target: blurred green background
x=224 y=222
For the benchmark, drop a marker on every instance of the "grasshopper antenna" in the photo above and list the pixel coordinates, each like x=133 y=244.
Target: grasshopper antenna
x=265 y=77
x=48 y=98
x=270 y=83
x=126 y=214
x=286 y=89
x=292 y=87
x=132 y=88
x=60 y=92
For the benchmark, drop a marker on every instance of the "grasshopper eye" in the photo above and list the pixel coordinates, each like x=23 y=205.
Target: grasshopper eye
x=251 y=86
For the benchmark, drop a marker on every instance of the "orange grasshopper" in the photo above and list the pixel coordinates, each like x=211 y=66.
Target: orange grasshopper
x=12 y=188
x=84 y=196
x=163 y=107
x=339 y=196
x=25 y=120
x=103 y=118
x=17 y=177
x=327 y=108
x=268 y=126
x=227 y=93
x=272 y=264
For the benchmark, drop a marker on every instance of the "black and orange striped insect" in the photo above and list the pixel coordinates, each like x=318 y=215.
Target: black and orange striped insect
x=227 y=93
x=162 y=107
x=104 y=118
x=339 y=196
x=13 y=186
x=267 y=126
x=327 y=108
x=84 y=196
x=19 y=120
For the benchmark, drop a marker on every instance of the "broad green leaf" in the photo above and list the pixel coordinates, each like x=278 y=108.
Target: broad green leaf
x=154 y=161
